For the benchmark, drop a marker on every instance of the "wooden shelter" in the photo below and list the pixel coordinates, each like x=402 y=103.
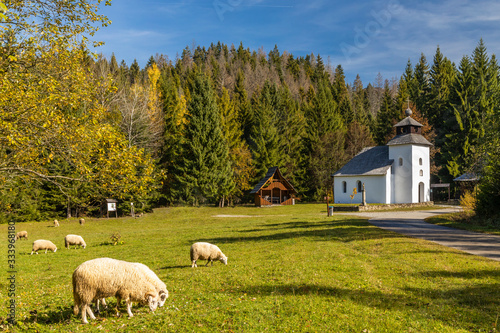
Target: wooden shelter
x=273 y=189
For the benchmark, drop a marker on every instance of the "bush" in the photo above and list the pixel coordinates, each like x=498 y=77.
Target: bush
x=468 y=200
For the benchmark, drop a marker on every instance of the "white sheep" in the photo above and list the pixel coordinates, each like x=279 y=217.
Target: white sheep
x=208 y=252
x=42 y=244
x=105 y=277
x=56 y=223
x=161 y=287
x=82 y=221
x=21 y=234
x=74 y=240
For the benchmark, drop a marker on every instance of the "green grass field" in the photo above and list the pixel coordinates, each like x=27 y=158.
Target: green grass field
x=290 y=269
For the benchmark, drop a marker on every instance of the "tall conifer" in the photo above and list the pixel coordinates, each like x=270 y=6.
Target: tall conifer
x=204 y=174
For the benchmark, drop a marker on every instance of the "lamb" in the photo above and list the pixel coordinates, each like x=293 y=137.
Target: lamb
x=42 y=244
x=105 y=277
x=21 y=234
x=82 y=221
x=56 y=223
x=74 y=240
x=208 y=252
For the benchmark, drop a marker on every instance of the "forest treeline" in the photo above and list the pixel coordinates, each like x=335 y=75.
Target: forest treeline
x=205 y=127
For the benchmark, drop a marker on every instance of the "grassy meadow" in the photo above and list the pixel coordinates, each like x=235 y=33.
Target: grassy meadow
x=290 y=269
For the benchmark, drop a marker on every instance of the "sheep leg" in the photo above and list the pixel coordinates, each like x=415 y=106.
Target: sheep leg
x=129 y=307
x=84 y=313
x=118 y=301
x=194 y=264
x=89 y=311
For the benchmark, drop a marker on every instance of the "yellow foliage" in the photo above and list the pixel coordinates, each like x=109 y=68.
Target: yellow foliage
x=468 y=200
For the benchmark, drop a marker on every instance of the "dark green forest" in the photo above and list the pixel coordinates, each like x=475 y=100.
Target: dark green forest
x=213 y=120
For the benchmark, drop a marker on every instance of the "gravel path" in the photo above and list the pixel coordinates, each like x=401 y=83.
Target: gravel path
x=411 y=223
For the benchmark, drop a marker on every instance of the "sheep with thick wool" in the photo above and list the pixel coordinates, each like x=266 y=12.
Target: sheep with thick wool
x=160 y=286
x=22 y=234
x=208 y=252
x=42 y=244
x=74 y=240
x=105 y=277
x=56 y=223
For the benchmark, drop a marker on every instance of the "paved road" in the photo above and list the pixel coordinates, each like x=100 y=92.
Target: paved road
x=412 y=223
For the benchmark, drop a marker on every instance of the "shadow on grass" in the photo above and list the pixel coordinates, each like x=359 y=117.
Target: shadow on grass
x=470 y=302
x=174 y=267
x=59 y=315
x=343 y=231
x=470 y=274
x=64 y=315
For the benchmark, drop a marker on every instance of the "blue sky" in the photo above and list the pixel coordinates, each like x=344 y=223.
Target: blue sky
x=365 y=37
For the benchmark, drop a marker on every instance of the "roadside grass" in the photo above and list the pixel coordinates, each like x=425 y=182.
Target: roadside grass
x=468 y=220
x=289 y=269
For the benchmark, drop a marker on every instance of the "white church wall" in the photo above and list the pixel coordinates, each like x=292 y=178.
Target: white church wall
x=421 y=173
x=377 y=189
x=402 y=173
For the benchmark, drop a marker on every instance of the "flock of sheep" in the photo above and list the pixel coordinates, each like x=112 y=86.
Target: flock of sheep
x=96 y=279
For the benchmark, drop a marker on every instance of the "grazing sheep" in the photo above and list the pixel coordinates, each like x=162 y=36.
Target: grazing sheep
x=42 y=244
x=105 y=277
x=82 y=221
x=56 y=223
x=161 y=287
x=74 y=240
x=21 y=234
x=208 y=252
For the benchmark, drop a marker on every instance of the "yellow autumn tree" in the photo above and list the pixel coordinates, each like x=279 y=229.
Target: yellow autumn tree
x=52 y=126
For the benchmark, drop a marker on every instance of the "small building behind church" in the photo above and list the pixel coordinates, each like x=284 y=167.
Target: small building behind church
x=274 y=189
x=396 y=173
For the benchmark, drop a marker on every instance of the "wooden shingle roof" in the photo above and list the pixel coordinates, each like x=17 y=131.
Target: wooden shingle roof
x=270 y=173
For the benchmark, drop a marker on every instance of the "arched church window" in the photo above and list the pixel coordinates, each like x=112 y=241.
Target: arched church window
x=344 y=187
x=421 y=173
x=400 y=161
x=420 y=162
x=359 y=186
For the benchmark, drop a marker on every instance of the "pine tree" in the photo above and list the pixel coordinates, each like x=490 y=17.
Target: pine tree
x=264 y=135
x=341 y=95
x=464 y=124
x=361 y=105
x=442 y=74
x=421 y=89
x=386 y=118
x=204 y=174
x=239 y=153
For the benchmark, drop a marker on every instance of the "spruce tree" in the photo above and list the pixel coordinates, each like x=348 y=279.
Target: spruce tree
x=463 y=125
x=386 y=118
x=421 y=88
x=264 y=136
x=204 y=173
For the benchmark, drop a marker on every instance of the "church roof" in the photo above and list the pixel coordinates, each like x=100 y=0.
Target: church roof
x=409 y=138
x=408 y=121
x=371 y=161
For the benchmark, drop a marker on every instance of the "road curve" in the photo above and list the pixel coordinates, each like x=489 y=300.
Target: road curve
x=411 y=223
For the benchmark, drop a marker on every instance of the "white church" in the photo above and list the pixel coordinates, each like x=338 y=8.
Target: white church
x=396 y=173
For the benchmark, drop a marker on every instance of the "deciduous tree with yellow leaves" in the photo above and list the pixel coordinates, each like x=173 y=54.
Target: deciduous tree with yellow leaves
x=52 y=127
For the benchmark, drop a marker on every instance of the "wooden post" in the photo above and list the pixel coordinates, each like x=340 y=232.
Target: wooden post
x=327 y=206
x=363 y=195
